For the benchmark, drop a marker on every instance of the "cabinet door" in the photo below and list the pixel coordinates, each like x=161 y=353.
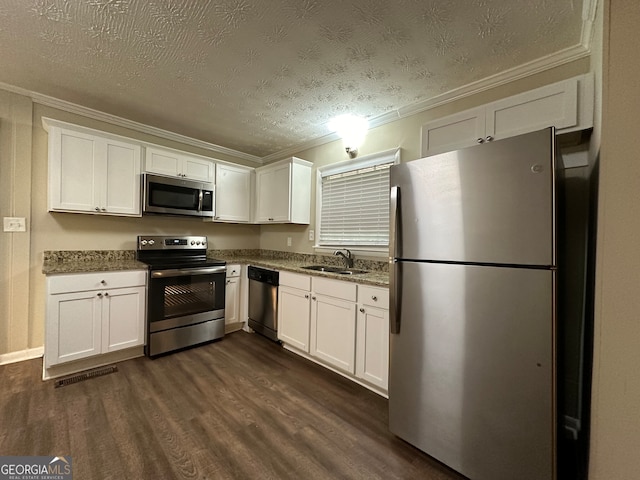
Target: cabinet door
x=163 y=162
x=72 y=164
x=197 y=169
x=233 y=193
x=122 y=179
x=553 y=105
x=232 y=301
x=73 y=327
x=372 y=349
x=333 y=331
x=456 y=131
x=274 y=194
x=123 y=318
x=294 y=317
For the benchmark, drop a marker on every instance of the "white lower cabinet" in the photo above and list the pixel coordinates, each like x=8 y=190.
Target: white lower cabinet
x=372 y=345
x=232 y=299
x=94 y=313
x=333 y=331
x=341 y=325
x=294 y=310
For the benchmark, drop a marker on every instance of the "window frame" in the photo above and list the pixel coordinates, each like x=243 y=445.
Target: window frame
x=378 y=158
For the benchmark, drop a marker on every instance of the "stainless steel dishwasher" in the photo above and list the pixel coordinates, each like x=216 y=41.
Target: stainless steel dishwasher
x=263 y=301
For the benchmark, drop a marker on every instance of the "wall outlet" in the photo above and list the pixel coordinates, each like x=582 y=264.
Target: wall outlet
x=15 y=224
x=312 y=235
x=288 y=241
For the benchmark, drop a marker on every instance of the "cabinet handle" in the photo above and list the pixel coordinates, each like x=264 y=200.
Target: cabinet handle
x=362 y=310
x=374 y=298
x=480 y=140
x=489 y=138
x=100 y=295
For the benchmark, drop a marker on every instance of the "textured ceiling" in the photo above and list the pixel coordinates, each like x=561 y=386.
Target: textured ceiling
x=260 y=76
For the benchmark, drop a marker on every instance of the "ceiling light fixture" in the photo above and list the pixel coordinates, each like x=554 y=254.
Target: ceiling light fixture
x=352 y=129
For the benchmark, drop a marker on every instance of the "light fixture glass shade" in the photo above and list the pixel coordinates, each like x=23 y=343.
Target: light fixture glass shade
x=352 y=129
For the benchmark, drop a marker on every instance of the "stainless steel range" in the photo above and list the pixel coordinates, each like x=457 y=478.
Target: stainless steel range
x=185 y=292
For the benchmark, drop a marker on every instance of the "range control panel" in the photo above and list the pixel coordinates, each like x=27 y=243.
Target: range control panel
x=160 y=242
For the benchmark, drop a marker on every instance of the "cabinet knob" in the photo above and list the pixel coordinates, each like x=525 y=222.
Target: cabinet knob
x=106 y=294
x=97 y=209
x=489 y=138
x=313 y=298
x=306 y=296
x=374 y=298
x=480 y=140
x=103 y=282
x=271 y=219
x=103 y=209
x=100 y=295
x=228 y=282
x=362 y=310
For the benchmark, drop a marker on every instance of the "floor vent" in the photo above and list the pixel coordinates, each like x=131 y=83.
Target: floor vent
x=79 y=377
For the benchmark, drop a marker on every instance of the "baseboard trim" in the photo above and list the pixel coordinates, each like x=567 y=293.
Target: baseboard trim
x=22 y=355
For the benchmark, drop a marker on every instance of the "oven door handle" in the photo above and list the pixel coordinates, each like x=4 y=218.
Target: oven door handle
x=181 y=272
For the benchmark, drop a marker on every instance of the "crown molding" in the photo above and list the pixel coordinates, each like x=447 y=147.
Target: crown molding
x=126 y=123
x=531 y=68
x=522 y=71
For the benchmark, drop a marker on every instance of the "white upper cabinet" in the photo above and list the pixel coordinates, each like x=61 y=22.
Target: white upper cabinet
x=165 y=161
x=566 y=105
x=233 y=193
x=92 y=172
x=283 y=192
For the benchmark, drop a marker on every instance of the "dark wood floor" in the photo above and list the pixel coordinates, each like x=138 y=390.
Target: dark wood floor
x=241 y=408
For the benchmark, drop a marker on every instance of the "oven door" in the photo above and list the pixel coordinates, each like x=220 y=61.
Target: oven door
x=185 y=296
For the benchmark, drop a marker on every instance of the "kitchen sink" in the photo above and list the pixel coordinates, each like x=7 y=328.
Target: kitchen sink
x=332 y=269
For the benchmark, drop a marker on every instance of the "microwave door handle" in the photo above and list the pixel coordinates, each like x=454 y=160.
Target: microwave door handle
x=200 y=200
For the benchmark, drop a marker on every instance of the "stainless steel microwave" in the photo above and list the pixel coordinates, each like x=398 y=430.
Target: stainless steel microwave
x=177 y=196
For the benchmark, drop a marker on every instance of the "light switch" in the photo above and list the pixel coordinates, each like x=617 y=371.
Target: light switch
x=15 y=224
x=312 y=235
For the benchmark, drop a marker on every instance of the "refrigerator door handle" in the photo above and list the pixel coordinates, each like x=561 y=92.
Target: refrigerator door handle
x=395 y=282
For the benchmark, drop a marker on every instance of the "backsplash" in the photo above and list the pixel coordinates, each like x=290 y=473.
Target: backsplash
x=303 y=258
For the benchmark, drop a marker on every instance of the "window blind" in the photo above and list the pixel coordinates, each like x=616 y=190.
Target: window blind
x=355 y=207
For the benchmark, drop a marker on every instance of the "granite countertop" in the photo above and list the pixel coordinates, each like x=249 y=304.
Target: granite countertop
x=374 y=275
x=86 y=261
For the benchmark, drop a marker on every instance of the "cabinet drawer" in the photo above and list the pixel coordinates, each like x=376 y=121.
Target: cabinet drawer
x=80 y=282
x=233 y=270
x=295 y=280
x=374 y=297
x=334 y=288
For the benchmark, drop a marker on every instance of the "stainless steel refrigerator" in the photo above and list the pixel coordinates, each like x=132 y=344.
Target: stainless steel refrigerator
x=473 y=307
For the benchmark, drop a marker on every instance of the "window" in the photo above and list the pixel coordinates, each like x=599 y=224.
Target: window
x=353 y=200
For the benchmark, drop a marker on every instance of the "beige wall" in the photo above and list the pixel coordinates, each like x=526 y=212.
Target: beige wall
x=15 y=201
x=404 y=133
x=616 y=376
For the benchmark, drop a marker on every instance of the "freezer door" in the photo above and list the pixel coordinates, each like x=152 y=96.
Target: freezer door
x=472 y=369
x=492 y=203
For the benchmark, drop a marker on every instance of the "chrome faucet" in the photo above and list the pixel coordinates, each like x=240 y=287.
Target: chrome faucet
x=348 y=259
